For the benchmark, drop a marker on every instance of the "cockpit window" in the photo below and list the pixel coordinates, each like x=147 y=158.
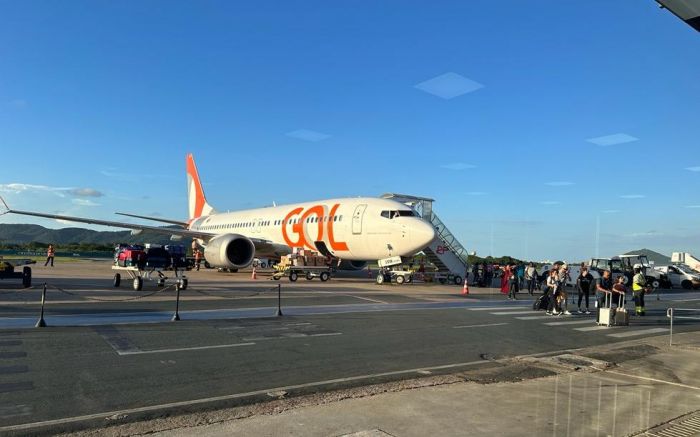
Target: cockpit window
x=397 y=213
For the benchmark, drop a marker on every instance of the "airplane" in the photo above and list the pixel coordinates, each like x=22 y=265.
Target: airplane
x=351 y=230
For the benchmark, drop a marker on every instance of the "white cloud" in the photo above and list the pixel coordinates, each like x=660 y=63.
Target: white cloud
x=632 y=196
x=84 y=202
x=449 y=85
x=695 y=169
x=559 y=183
x=308 y=135
x=59 y=191
x=611 y=140
x=458 y=166
x=550 y=202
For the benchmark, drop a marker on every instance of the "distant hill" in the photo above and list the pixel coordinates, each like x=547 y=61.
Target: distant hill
x=23 y=234
x=656 y=257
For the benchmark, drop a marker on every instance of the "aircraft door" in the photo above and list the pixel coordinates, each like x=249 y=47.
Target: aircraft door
x=357 y=218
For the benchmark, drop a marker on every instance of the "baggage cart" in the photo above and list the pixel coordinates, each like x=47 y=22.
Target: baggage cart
x=308 y=272
x=138 y=275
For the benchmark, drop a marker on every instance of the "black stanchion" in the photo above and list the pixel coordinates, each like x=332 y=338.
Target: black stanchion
x=279 y=300
x=176 y=316
x=41 y=323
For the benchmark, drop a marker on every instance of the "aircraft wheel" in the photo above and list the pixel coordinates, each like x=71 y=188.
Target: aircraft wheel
x=293 y=276
x=117 y=279
x=138 y=283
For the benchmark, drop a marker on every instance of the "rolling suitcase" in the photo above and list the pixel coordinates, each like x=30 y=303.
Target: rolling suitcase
x=541 y=302
x=622 y=317
x=606 y=314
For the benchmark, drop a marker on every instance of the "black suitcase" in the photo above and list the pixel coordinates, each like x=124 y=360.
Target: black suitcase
x=541 y=303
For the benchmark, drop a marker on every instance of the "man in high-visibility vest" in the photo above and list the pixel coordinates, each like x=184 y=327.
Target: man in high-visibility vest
x=639 y=287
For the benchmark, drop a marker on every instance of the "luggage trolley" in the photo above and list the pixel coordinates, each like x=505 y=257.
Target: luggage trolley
x=138 y=275
x=149 y=265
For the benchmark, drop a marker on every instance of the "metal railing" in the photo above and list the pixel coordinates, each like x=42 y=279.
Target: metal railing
x=671 y=314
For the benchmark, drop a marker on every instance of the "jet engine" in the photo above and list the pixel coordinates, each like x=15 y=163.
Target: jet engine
x=352 y=265
x=230 y=251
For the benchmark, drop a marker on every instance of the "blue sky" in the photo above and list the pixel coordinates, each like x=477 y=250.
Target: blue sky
x=528 y=122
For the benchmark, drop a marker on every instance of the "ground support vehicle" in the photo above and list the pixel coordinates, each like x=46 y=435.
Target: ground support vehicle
x=443 y=278
x=305 y=263
x=139 y=275
x=387 y=275
x=680 y=275
x=7 y=271
x=308 y=272
x=624 y=266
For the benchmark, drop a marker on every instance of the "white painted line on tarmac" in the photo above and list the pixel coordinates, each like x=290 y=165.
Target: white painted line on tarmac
x=638 y=332
x=646 y=378
x=494 y=308
x=326 y=334
x=593 y=328
x=184 y=349
x=479 y=326
x=366 y=298
x=534 y=317
x=570 y=322
x=511 y=313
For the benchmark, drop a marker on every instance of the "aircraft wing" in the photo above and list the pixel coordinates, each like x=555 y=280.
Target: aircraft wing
x=155 y=219
x=261 y=245
x=167 y=231
x=686 y=10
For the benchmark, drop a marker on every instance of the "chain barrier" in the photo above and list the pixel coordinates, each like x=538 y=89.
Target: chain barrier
x=172 y=286
x=258 y=293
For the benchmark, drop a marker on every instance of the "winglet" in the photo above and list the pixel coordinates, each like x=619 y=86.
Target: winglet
x=6 y=208
x=197 y=203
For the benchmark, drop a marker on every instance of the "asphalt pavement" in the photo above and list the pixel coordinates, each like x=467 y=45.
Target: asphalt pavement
x=126 y=358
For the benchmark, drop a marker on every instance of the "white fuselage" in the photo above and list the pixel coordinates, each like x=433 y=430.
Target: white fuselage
x=351 y=228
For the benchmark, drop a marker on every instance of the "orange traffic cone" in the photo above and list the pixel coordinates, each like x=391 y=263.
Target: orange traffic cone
x=254 y=275
x=465 y=289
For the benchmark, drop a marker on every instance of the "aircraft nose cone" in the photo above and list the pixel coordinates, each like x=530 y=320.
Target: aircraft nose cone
x=422 y=234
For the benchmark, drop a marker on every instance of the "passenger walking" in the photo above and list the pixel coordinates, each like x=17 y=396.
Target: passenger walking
x=584 y=284
x=603 y=287
x=563 y=277
x=552 y=291
x=639 y=288
x=530 y=278
x=513 y=283
x=50 y=252
x=505 y=276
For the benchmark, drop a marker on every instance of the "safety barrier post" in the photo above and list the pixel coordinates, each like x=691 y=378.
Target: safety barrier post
x=176 y=316
x=279 y=300
x=41 y=323
x=669 y=314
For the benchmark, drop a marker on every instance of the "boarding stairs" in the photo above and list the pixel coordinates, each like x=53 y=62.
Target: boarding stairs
x=445 y=251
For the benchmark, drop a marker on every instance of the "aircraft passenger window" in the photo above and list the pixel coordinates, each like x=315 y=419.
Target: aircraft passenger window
x=335 y=218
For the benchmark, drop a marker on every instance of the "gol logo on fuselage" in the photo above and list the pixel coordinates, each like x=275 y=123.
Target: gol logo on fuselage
x=323 y=225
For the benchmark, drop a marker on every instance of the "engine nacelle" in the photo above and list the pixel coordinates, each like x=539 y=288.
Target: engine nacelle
x=230 y=251
x=352 y=265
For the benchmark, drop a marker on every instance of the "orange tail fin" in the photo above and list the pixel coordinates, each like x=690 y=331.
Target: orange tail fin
x=197 y=203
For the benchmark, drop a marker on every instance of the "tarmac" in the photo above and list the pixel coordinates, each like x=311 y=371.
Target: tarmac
x=346 y=356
